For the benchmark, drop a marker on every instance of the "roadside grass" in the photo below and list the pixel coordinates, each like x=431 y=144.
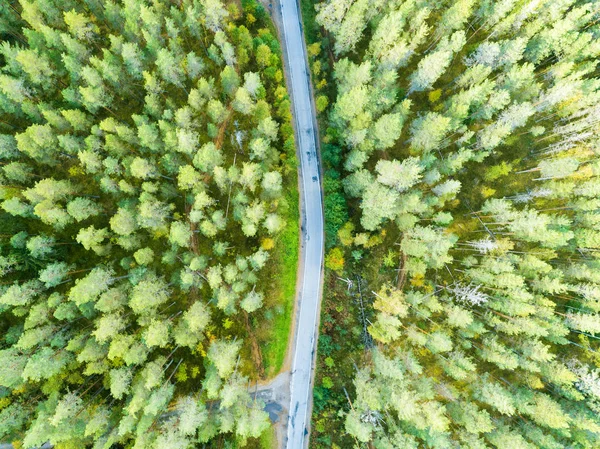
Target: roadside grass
x=284 y=288
x=311 y=28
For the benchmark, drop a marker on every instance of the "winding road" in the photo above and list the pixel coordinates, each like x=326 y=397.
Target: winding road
x=304 y=341
x=309 y=298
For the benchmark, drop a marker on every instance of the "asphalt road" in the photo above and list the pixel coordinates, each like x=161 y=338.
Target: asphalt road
x=312 y=225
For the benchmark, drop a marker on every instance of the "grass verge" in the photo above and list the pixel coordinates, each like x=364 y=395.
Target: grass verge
x=311 y=28
x=286 y=258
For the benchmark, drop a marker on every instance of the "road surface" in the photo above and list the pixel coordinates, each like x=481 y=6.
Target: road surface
x=309 y=296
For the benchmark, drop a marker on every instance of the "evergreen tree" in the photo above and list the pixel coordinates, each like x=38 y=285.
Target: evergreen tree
x=123 y=152
x=469 y=164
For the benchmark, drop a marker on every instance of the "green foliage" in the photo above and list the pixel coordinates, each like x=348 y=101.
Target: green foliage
x=321 y=103
x=286 y=253
x=147 y=197
x=335 y=260
x=469 y=169
x=336 y=213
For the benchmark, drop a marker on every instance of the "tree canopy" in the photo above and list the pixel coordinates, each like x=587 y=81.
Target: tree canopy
x=141 y=167
x=468 y=131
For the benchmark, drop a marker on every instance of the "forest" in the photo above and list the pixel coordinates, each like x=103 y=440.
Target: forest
x=462 y=186
x=148 y=222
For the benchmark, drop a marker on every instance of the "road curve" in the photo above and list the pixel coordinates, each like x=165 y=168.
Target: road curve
x=309 y=298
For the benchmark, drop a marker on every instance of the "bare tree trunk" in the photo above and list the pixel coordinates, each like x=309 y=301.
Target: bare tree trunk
x=401 y=271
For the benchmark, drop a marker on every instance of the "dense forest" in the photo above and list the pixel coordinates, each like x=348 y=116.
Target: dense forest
x=149 y=223
x=147 y=179
x=462 y=296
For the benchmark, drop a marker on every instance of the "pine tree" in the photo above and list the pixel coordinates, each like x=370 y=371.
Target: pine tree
x=466 y=146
